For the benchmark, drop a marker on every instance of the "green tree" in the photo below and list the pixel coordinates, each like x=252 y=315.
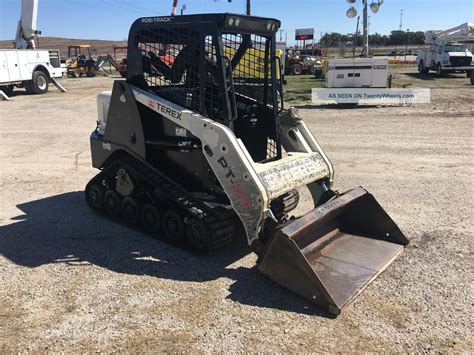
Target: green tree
x=397 y=37
x=417 y=37
x=400 y=37
x=378 y=40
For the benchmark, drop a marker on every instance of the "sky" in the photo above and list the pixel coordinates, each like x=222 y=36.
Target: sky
x=111 y=19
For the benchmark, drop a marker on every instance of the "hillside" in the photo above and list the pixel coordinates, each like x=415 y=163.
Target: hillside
x=99 y=47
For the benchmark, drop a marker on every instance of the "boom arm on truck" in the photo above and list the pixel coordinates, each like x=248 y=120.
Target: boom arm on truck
x=27 y=32
x=463 y=33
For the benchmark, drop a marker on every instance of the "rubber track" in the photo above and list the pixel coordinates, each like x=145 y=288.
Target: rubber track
x=218 y=220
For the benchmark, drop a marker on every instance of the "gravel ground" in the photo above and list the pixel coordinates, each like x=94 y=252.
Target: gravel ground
x=72 y=281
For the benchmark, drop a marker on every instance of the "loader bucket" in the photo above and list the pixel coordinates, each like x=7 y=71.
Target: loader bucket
x=333 y=252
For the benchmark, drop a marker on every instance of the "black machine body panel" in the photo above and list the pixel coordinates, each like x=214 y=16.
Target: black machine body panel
x=124 y=130
x=135 y=129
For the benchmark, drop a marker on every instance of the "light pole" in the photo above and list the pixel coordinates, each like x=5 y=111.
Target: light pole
x=406 y=44
x=356 y=37
x=281 y=34
x=401 y=20
x=366 y=29
x=352 y=12
x=247 y=11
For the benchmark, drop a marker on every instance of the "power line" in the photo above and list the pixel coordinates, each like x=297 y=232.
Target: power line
x=123 y=7
x=133 y=5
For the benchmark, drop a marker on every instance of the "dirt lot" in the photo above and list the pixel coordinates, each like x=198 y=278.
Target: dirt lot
x=73 y=281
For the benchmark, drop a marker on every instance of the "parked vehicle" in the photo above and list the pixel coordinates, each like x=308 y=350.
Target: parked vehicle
x=120 y=57
x=318 y=68
x=299 y=64
x=447 y=52
x=80 y=61
x=199 y=149
x=32 y=69
x=25 y=66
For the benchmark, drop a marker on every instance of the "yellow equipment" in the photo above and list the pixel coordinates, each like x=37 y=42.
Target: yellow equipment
x=80 y=61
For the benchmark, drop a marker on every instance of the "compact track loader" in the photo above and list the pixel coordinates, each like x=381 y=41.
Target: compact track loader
x=196 y=142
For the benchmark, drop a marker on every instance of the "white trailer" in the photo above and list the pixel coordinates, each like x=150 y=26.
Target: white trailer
x=448 y=51
x=357 y=73
x=32 y=69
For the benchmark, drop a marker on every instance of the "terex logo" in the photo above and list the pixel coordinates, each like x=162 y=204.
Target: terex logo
x=164 y=109
x=156 y=19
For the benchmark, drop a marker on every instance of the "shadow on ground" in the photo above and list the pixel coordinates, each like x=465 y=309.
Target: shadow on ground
x=434 y=76
x=61 y=229
x=18 y=92
x=350 y=106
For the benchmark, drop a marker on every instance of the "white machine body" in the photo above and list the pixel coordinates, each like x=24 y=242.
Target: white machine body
x=103 y=104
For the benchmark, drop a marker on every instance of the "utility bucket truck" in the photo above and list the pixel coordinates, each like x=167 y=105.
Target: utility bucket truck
x=25 y=66
x=448 y=51
x=195 y=148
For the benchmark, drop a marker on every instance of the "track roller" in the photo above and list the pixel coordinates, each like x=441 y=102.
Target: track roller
x=95 y=197
x=130 y=210
x=173 y=226
x=112 y=203
x=151 y=218
x=198 y=235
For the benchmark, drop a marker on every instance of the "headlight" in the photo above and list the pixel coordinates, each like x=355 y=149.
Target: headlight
x=237 y=21
x=269 y=26
x=231 y=21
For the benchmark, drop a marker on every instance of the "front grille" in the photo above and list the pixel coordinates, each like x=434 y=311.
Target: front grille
x=460 y=61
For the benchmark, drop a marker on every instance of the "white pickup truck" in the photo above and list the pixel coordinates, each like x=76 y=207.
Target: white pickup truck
x=32 y=69
x=444 y=58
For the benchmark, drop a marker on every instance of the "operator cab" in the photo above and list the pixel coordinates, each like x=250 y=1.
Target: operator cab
x=222 y=66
